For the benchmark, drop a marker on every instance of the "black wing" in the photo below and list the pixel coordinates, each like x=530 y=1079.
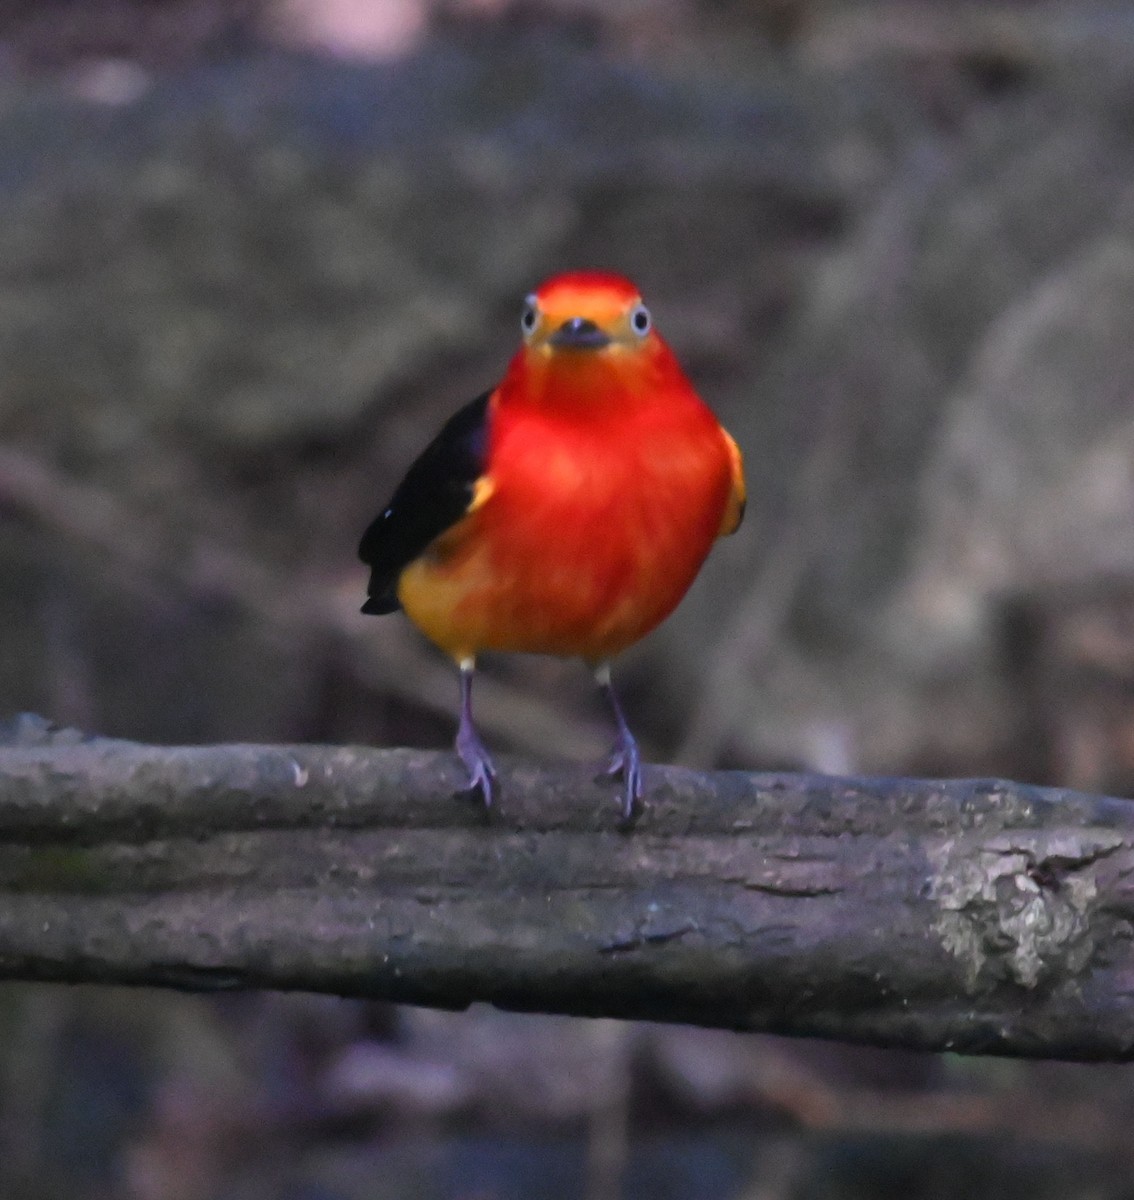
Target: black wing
x=434 y=495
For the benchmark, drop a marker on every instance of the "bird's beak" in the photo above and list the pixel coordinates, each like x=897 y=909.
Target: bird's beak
x=579 y=334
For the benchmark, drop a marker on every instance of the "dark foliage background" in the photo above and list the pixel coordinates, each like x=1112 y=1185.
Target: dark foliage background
x=251 y=254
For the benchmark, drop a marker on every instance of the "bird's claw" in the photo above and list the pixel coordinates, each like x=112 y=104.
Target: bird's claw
x=481 y=787
x=614 y=767
x=632 y=796
x=482 y=774
x=625 y=764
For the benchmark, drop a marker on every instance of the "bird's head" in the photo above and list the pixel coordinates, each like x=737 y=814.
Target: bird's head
x=584 y=313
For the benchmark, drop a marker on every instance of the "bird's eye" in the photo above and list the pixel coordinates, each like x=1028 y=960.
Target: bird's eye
x=640 y=320
x=529 y=318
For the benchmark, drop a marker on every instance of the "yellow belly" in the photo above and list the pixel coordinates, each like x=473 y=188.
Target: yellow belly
x=536 y=606
x=581 y=570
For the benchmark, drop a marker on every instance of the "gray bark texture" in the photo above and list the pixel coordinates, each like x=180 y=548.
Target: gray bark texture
x=979 y=916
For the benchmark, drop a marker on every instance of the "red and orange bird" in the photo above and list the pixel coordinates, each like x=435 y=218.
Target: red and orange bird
x=567 y=511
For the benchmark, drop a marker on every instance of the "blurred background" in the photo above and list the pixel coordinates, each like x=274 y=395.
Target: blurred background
x=252 y=253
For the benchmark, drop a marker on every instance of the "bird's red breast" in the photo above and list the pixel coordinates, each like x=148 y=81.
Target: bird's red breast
x=605 y=482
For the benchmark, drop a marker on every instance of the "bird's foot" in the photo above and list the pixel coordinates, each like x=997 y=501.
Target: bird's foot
x=482 y=774
x=614 y=767
x=625 y=764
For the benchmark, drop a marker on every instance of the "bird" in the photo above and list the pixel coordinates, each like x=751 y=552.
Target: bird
x=565 y=511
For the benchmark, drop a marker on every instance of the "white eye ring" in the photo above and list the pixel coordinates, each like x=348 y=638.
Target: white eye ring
x=529 y=318
x=640 y=320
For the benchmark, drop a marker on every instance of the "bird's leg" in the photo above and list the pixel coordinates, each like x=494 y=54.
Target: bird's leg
x=482 y=774
x=625 y=762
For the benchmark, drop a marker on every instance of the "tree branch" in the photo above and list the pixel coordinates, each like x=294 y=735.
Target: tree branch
x=977 y=916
